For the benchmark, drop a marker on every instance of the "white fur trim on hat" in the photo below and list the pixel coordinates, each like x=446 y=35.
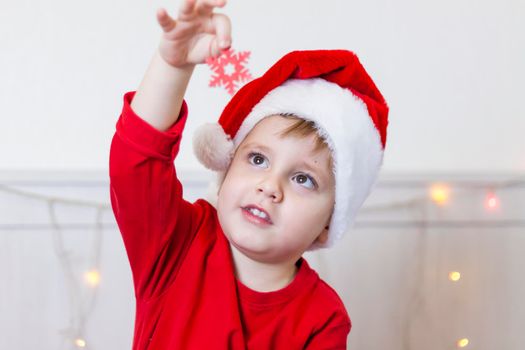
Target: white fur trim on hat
x=213 y=147
x=343 y=120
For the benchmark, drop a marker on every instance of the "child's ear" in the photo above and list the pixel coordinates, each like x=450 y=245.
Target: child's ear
x=323 y=237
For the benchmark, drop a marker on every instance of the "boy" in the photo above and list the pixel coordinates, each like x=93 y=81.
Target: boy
x=292 y=176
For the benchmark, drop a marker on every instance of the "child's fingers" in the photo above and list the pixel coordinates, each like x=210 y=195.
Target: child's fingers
x=187 y=7
x=165 y=21
x=222 y=26
x=222 y=38
x=206 y=6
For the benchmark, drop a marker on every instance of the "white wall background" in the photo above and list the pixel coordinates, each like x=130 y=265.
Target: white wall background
x=452 y=73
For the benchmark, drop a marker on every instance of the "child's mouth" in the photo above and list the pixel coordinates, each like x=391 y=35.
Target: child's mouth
x=256 y=216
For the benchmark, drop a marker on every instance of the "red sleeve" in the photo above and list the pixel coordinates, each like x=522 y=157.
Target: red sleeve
x=156 y=223
x=333 y=337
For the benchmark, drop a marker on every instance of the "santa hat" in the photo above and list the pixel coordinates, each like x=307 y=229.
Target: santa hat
x=328 y=87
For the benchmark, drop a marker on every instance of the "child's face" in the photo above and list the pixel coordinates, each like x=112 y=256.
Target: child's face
x=267 y=171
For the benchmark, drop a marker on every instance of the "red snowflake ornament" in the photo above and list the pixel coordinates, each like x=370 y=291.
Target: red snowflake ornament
x=230 y=70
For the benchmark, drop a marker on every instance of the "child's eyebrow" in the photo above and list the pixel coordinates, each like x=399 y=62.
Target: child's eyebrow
x=257 y=145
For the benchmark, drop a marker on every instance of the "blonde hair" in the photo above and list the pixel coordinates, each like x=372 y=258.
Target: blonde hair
x=304 y=128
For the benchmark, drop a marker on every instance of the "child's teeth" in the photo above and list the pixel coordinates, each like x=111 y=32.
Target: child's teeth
x=258 y=213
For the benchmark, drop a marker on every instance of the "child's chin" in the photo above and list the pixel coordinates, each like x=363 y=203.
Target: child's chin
x=250 y=249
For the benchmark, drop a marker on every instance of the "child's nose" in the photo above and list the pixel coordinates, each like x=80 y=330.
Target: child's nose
x=271 y=188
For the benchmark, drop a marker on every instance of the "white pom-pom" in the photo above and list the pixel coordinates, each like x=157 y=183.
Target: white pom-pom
x=213 y=147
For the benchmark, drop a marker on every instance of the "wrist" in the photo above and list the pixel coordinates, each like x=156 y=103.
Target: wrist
x=186 y=66
x=167 y=72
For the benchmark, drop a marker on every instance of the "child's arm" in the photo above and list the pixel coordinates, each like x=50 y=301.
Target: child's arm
x=157 y=225
x=194 y=36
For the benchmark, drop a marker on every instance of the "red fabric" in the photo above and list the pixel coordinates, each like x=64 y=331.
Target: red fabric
x=341 y=67
x=187 y=296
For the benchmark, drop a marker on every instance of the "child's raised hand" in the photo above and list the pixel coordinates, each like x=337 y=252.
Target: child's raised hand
x=197 y=33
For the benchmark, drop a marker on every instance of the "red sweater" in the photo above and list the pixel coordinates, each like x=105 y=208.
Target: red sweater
x=187 y=296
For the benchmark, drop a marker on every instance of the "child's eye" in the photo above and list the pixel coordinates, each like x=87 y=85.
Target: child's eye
x=256 y=158
x=307 y=180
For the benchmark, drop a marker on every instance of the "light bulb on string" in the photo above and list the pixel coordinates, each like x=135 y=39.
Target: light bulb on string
x=454 y=276
x=492 y=202
x=92 y=278
x=440 y=194
x=80 y=343
x=462 y=343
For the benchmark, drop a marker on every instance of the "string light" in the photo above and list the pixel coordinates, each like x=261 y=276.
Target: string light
x=92 y=278
x=462 y=343
x=454 y=276
x=491 y=201
x=81 y=301
x=440 y=193
x=79 y=342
